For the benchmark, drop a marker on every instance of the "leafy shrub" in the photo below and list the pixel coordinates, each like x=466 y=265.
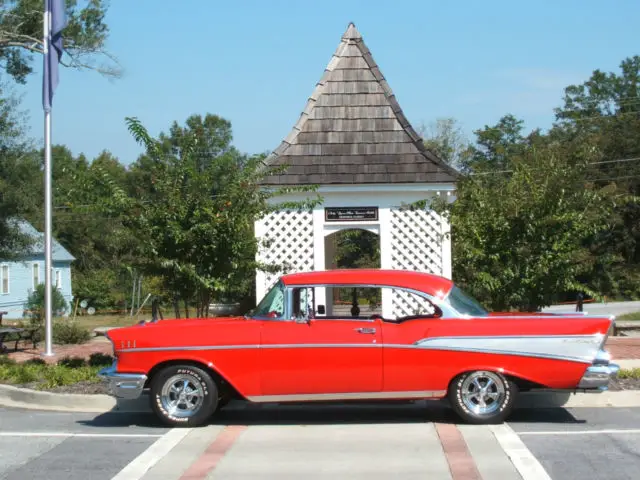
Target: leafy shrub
x=47 y=376
x=100 y=360
x=19 y=373
x=58 y=375
x=4 y=360
x=35 y=361
x=629 y=373
x=35 y=304
x=69 y=333
x=72 y=362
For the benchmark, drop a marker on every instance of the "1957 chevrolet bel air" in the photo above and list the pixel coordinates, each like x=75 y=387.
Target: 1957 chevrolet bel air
x=430 y=341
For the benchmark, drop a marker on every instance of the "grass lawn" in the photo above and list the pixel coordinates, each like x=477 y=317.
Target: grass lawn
x=629 y=316
x=93 y=321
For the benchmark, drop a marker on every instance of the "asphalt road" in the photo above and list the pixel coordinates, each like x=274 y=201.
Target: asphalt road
x=337 y=441
x=610 y=308
x=584 y=443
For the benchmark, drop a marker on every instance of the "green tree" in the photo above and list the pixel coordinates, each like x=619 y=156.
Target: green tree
x=84 y=37
x=195 y=216
x=496 y=145
x=604 y=112
x=519 y=238
x=446 y=139
x=16 y=174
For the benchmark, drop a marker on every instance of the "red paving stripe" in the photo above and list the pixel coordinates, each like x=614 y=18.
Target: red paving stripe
x=213 y=454
x=461 y=463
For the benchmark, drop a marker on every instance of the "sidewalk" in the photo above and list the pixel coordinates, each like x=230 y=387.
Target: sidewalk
x=95 y=345
x=624 y=348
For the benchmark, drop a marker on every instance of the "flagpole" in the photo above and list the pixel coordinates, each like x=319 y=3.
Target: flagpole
x=47 y=201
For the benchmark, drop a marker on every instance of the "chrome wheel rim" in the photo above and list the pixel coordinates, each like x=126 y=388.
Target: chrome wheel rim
x=483 y=392
x=182 y=395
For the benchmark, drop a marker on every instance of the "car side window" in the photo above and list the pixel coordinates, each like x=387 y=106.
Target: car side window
x=302 y=302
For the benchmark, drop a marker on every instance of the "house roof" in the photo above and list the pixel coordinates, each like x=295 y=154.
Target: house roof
x=353 y=131
x=58 y=252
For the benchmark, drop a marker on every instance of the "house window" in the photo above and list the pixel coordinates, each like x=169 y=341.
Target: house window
x=4 y=279
x=58 y=279
x=36 y=275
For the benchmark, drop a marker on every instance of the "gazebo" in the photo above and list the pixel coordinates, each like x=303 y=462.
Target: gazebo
x=353 y=141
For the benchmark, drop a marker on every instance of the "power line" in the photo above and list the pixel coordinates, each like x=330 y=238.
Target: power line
x=619 y=160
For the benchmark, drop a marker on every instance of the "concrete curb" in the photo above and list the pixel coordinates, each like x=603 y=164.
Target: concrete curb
x=627 y=364
x=67 y=402
x=36 y=400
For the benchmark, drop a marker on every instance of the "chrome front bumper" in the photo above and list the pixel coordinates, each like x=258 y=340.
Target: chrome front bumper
x=598 y=375
x=123 y=385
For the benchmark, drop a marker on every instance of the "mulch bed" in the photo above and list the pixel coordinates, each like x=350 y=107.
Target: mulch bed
x=83 y=388
x=624 y=384
x=89 y=388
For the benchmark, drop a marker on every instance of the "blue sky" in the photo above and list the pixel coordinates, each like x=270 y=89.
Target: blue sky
x=256 y=62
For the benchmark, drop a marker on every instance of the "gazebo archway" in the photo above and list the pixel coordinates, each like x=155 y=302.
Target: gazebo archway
x=350 y=247
x=354 y=141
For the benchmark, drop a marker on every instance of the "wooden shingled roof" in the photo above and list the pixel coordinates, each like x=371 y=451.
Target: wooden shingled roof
x=353 y=131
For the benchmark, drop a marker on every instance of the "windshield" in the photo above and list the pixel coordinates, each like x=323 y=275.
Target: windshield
x=464 y=304
x=272 y=305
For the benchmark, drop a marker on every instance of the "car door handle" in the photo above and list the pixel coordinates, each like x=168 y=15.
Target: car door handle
x=366 y=330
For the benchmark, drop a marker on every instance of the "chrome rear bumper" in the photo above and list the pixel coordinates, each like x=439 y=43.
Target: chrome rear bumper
x=598 y=375
x=123 y=385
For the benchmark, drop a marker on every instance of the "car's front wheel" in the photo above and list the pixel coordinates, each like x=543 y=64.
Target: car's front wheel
x=482 y=397
x=183 y=395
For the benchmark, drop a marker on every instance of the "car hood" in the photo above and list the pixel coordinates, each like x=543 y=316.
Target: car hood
x=172 y=328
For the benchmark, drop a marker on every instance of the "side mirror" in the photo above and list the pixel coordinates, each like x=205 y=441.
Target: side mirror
x=303 y=320
x=321 y=310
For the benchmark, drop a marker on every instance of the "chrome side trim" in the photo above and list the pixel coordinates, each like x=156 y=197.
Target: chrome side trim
x=602 y=358
x=555 y=348
x=189 y=348
x=249 y=347
x=123 y=385
x=579 y=348
x=305 y=397
x=323 y=345
x=511 y=353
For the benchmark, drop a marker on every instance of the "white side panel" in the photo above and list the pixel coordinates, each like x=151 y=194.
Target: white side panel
x=579 y=348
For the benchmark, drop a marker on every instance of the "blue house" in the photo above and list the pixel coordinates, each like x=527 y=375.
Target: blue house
x=19 y=278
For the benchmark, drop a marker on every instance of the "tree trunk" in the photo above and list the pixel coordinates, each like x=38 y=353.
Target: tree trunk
x=176 y=306
x=206 y=302
x=198 y=304
x=186 y=307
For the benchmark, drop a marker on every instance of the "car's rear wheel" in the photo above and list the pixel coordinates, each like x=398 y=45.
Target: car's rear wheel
x=183 y=395
x=482 y=397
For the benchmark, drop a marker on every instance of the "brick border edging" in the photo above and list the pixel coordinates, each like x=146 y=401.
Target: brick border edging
x=97 y=403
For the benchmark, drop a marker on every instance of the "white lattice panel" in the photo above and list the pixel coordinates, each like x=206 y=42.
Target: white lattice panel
x=416 y=244
x=286 y=241
x=407 y=304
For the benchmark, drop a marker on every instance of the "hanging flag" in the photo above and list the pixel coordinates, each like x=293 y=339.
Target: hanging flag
x=55 y=13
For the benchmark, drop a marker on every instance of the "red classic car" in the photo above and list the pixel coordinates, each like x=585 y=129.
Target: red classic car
x=321 y=336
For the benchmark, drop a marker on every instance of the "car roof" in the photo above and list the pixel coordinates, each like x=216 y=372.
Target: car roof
x=434 y=285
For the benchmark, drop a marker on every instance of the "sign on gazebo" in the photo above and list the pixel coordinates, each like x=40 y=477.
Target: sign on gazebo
x=350 y=214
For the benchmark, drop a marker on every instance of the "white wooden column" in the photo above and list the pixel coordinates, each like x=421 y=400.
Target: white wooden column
x=319 y=261
x=446 y=248
x=386 y=262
